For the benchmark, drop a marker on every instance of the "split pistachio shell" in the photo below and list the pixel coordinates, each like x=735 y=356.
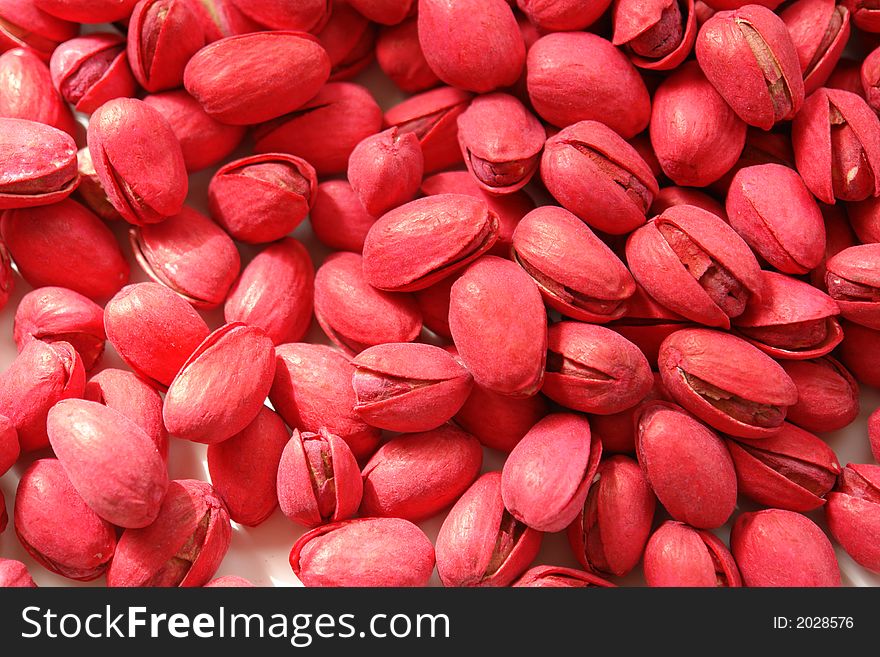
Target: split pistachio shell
x=38 y=164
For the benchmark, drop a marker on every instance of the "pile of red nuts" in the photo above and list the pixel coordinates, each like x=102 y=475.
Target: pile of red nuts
x=634 y=247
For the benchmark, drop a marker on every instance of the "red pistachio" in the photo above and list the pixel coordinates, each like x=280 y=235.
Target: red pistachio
x=262 y=198
x=577 y=274
x=349 y=39
x=618 y=430
x=190 y=254
x=782 y=548
x=305 y=15
x=408 y=387
x=24 y=25
x=694 y=264
x=364 y=552
x=548 y=474
x=596 y=175
x=57 y=528
x=647 y=324
x=506 y=355
x=53 y=314
x=480 y=542
x=182 y=547
x=726 y=382
x=318 y=479
x=577 y=76
x=416 y=475
x=873 y=434
x=678 y=555
x=658 y=35
x=112 y=463
x=385 y=12
x=338 y=219
x=792 y=320
x=221 y=388
x=828 y=395
x=275 y=292
x=250 y=78
x=672 y=446
x=123 y=134
x=92 y=11
x=312 y=389
x=9 y=449
x=401 y=58
x=559 y=577
x=858 y=352
x=853 y=514
x=385 y=170
x=853 y=282
x=563 y=15
x=26 y=92
x=244 y=468
x=500 y=421
x=671 y=196
x=609 y=536
x=325 y=129
x=14 y=574
x=90 y=70
x=819 y=30
x=753 y=41
x=153 y=330
x=869 y=75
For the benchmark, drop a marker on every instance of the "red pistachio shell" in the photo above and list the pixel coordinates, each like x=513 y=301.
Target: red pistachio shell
x=610 y=534
x=416 y=475
x=774 y=212
x=819 y=30
x=658 y=35
x=275 y=292
x=864 y=218
x=154 y=330
x=190 y=254
x=726 y=382
x=408 y=387
x=791 y=320
x=678 y=555
x=338 y=219
x=755 y=42
x=433 y=116
x=696 y=135
x=599 y=177
x=123 y=134
x=480 y=543
x=505 y=355
x=500 y=421
x=132 y=396
x=386 y=12
x=865 y=15
x=873 y=434
x=828 y=395
x=594 y=369
x=500 y=142
x=385 y=170
x=37 y=164
x=423 y=241
x=24 y=25
x=433 y=303
x=312 y=389
x=203 y=140
x=40 y=238
x=853 y=282
x=14 y=574
x=853 y=514
x=349 y=39
x=838 y=236
x=318 y=479
x=836 y=139
x=9 y=449
x=90 y=191
x=250 y=78
x=112 y=463
x=559 y=577
x=577 y=274
x=57 y=528
x=618 y=430
x=577 y=76
x=162 y=37
x=671 y=196
x=846 y=75
x=223 y=385
x=56 y=313
x=563 y=15
x=782 y=548
x=869 y=76
x=792 y=470
x=26 y=92
x=324 y=130
x=472 y=44
x=400 y=57
x=673 y=447
x=547 y=476
x=93 y=11
x=305 y=15
x=39 y=377
x=90 y=70
x=355 y=315
x=182 y=547
x=510 y=208
x=262 y=198
x=364 y=552
x=244 y=468
x=694 y=264
x=858 y=352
